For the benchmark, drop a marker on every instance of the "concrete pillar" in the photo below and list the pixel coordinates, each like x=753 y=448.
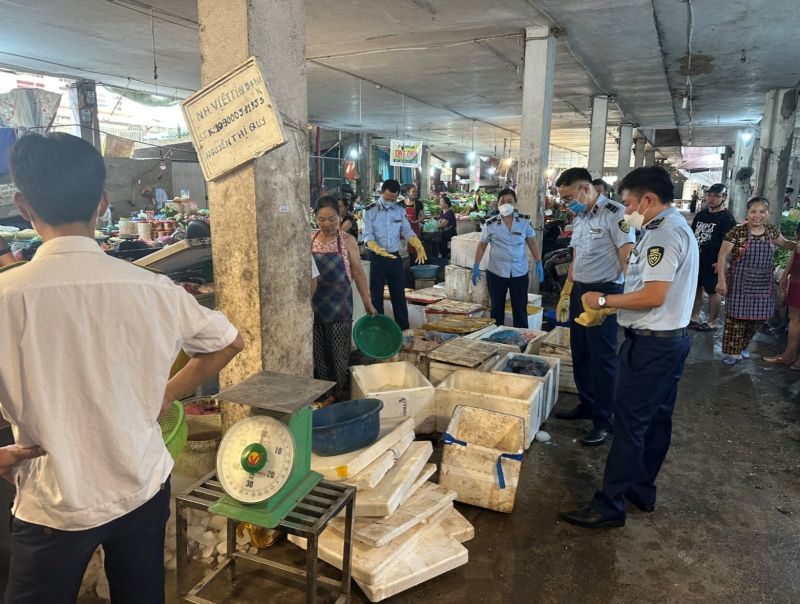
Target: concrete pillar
x=625 y=143
x=741 y=173
x=597 y=136
x=261 y=240
x=425 y=173
x=397 y=174
x=775 y=147
x=650 y=157
x=474 y=173
x=537 y=110
x=794 y=169
x=638 y=154
x=83 y=98
x=366 y=166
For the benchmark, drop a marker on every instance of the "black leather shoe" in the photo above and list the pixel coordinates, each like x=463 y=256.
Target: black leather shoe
x=596 y=437
x=588 y=518
x=576 y=413
x=649 y=508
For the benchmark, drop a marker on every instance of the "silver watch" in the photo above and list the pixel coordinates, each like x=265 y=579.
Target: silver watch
x=601 y=301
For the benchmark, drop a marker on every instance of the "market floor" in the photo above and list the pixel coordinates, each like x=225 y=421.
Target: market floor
x=726 y=527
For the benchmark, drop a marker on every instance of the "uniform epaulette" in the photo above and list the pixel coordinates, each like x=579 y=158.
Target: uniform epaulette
x=493 y=219
x=611 y=208
x=524 y=216
x=370 y=205
x=654 y=224
x=10 y=266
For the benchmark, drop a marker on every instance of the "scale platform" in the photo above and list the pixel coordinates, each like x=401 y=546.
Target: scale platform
x=278 y=392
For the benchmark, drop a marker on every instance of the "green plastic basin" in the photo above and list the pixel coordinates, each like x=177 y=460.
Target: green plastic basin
x=378 y=337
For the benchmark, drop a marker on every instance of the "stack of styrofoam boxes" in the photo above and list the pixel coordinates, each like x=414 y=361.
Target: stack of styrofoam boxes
x=416 y=313
x=505 y=393
x=458 y=274
x=405 y=392
x=406 y=529
x=482 y=456
x=550 y=380
x=438 y=370
x=556 y=344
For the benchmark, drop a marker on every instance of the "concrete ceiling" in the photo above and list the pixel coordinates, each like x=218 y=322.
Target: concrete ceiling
x=457 y=63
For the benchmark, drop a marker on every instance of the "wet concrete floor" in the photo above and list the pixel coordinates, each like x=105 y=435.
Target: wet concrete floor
x=726 y=527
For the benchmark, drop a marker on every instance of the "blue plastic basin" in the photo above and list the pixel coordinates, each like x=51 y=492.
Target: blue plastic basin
x=346 y=426
x=425 y=271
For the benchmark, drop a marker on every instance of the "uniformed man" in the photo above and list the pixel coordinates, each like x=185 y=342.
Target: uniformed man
x=601 y=241
x=511 y=235
x=654 y=310
x=385 y=222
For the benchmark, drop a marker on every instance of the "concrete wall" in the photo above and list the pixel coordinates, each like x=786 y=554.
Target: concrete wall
x=128 y=180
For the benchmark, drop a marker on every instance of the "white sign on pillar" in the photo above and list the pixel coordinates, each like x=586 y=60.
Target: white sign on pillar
x=597 y=136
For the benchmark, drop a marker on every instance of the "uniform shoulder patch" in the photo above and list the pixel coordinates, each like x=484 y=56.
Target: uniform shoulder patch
x=654 y=255
x=654 y=224
x=612 y=208
x=624 y=226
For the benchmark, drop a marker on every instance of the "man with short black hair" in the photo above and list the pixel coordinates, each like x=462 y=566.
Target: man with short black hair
x=601 y=241
x=654 y=311
x=710 y=225
x=602 y=187
x=385 y=222
x=77 y=381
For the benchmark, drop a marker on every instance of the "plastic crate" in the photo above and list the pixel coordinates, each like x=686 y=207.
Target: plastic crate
x=405 y=392
x=505 y=393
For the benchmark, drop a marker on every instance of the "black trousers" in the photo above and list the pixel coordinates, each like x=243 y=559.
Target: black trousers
x=47 y=565
x=650 y=370
x=518 y=287
x=389 y=271
x=594 y=356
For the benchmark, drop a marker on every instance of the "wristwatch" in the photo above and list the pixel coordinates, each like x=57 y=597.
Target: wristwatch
x=601 y=301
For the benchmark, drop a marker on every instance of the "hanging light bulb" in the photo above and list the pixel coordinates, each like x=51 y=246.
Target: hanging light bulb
x=747 y=135
x=471 y=155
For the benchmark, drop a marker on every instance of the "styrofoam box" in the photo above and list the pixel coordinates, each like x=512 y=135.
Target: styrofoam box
x=416 y=313
x=462 y=250
x=550 y=380
x=471 y=469
x=504 y=393
x=458 y=285
x=405 y=392
x=438 y=371
x=534 y=321
x=534 y=343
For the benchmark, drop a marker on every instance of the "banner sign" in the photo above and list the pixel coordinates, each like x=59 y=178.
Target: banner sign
x=405 y=154
x=233 y=120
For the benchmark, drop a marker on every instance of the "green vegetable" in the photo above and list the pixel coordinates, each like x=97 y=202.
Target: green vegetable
x=781 y=257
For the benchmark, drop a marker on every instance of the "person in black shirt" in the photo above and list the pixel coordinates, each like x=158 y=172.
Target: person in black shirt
x=710 y=225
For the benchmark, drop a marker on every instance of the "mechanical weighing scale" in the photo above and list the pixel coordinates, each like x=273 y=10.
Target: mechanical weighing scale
x=264 y=461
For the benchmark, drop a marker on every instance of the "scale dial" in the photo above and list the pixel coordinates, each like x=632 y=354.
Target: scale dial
x=255 y=458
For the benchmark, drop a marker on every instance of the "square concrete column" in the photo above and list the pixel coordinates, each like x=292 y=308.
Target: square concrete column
x=625 y=144
x=597 y=136
x=638 y=153
x=537 y=110
x=741 y=173
x=775 y=148
x=425 y=173
x=649 y=157
x=261 y=242
x=366 y=166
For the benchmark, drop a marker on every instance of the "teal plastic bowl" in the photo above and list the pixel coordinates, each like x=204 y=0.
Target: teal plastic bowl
x=378 y=337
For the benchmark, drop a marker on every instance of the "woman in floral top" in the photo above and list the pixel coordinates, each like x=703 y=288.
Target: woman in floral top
x=747 y=281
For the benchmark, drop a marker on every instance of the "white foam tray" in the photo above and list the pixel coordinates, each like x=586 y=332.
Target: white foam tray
x=374 y=472
x=395 y=487
x=458 y=527
x=340 y=467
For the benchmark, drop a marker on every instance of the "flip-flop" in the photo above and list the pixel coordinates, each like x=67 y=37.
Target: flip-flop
x=779 y=360
x=795 y=367
x=704 y=327
x=694 y=324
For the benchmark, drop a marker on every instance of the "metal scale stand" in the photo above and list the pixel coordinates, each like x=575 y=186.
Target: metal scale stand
x=263 y=477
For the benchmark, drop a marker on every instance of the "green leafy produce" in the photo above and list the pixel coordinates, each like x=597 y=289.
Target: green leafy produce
x=789 y=226
x=781 y=257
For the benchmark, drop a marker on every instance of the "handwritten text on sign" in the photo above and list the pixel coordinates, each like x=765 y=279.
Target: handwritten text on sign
x=233 y=120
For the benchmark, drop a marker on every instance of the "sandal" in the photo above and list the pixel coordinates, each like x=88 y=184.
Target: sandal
x=795 y=367
x=779 y=360
x=694 y=324
x=704 y=327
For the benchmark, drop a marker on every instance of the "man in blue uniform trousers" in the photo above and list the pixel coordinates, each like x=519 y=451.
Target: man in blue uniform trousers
x=385 y=221
x=601 y=241
x=654 y=311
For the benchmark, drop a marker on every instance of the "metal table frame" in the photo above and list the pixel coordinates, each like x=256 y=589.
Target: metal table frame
x=308 y=519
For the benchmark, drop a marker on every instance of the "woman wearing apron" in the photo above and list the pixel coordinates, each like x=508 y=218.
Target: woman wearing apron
x=747 y=282
x=338 y=262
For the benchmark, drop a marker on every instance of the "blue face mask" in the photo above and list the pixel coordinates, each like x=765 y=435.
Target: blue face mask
x=576 y=205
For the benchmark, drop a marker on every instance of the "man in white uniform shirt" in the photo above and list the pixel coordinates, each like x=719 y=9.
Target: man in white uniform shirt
x=87 y=343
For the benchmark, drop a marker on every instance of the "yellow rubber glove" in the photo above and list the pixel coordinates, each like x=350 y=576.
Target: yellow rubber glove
x=373 y=245
x=562 y=308
x=593 y=318
x=422 y=257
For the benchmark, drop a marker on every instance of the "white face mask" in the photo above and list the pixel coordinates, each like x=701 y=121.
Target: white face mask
x=634 y=220
x=506 y=209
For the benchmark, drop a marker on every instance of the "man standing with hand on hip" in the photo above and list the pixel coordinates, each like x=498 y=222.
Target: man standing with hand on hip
x=601 y=241
x=654 y=310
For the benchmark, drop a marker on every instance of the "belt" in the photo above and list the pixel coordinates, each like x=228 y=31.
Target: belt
x=583 y=285
x=668 y=333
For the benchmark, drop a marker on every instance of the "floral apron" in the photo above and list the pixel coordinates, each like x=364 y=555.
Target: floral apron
x=750 y=282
